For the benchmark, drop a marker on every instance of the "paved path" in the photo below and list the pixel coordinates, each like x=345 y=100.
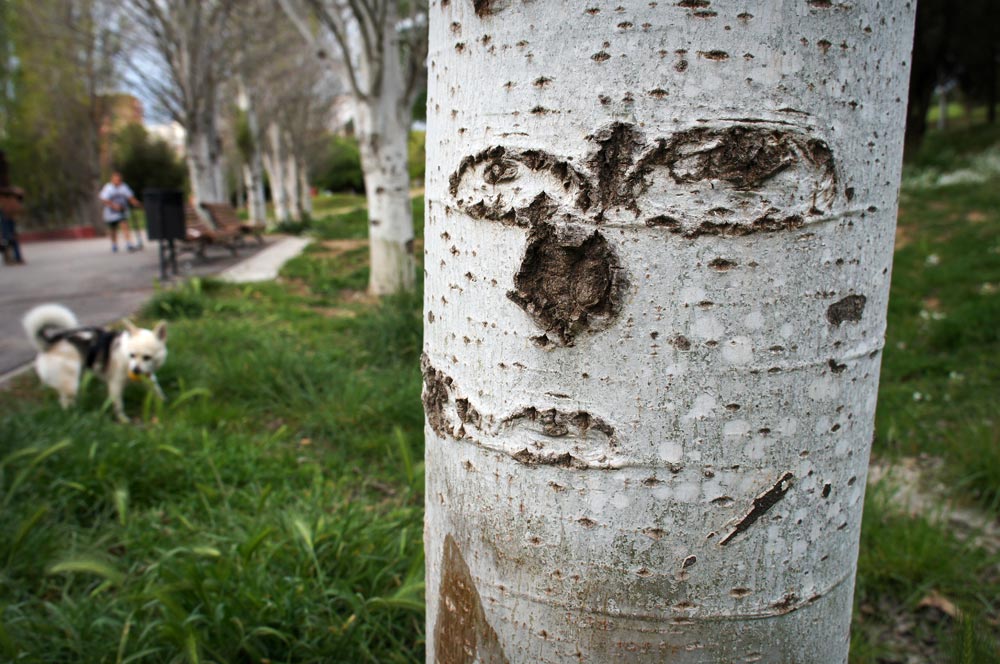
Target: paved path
x=100 y=287
x=266 y=264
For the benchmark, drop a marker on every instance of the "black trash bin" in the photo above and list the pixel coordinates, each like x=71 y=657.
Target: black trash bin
x=164 y=222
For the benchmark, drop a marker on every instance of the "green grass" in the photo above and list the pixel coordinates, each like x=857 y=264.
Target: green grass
x=937 y=398
x=270 y=511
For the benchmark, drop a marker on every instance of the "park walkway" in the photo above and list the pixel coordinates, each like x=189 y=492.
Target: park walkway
x=100 y=287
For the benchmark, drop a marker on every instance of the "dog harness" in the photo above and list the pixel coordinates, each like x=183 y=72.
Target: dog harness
x=93 y=343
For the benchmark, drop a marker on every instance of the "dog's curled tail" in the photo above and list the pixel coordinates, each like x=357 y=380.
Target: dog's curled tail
x=45 y=319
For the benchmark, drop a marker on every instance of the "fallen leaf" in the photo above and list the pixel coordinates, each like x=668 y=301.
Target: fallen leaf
x=938 y=601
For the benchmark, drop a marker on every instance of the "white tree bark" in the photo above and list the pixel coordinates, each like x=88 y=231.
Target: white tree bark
x=253 y=170
x=204 y=159
x=305 y=191
x=370 y=36
x=382 y=137
x=659 y=238
x=290 y=179
x=274 y=162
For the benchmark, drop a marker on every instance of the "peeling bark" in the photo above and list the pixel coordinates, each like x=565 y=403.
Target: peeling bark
x=655 y=299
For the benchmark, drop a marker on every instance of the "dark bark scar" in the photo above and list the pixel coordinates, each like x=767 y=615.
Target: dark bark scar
x=761 y=505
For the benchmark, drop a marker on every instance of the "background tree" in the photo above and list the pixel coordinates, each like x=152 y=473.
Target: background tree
x=384 y=60
x=655 y=306
x=182 y=52
x=58 y=66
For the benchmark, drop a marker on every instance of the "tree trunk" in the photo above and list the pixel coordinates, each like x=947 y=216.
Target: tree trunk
x=382 y=125
x=305 y=191
x=253 y=171
x=274 y=164
x=658 y=251
x=290 y=180
x=382 y=135
x=204 y=161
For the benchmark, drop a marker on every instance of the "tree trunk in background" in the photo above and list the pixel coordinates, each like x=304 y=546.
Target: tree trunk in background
x=204 y=161
x=382 y=140
x=659 y=240
x=305 y=191
x=253 y=171
x=382 y=126
x=274 y=164
x=290 y=179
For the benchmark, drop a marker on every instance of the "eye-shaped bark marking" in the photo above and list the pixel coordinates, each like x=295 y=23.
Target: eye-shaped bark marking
x=569 y=281
x=436 y=397
x=486 y=8
x=765 y=178
x=517 y=187
x=462 y=634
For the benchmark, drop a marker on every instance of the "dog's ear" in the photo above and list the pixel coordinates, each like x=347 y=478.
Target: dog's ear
x=161 y=330
x=130 y=326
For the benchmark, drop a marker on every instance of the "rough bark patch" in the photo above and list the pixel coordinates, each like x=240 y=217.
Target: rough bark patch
x=761 y=505
x=462 y=635
x=435 y=397
x=612 y=163
x=568 y=281
x=489 y=184
x=744 y=156
x=558 y=423
x=848 y=310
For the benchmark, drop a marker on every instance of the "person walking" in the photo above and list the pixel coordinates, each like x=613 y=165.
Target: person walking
x=116 y=196
x=11 y=205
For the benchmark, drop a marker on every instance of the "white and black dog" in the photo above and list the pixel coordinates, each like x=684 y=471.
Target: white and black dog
x=65 y=349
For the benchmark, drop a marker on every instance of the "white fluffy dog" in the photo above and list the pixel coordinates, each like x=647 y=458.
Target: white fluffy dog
x=65 y=349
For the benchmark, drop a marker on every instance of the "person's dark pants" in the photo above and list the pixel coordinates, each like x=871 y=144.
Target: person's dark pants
x=8 y=231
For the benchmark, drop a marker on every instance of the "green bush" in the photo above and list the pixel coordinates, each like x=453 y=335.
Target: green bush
x=147 y=162
x=341 y=168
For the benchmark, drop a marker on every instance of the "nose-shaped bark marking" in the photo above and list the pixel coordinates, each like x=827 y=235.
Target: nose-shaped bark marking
x=569 y=281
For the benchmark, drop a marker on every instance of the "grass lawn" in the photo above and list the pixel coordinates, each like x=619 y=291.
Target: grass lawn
x=272 y=510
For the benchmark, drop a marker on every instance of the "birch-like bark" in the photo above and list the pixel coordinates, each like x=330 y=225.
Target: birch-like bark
x=274 y=162
x=382 y=135
x=659 y=238
x=253 y=170
x=204 y=157
x=290 y=179
x=368 y=35
x=305 y=191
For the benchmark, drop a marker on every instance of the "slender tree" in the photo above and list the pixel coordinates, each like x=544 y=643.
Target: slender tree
x=383 y=54
x=191 y=43
x=658 y=247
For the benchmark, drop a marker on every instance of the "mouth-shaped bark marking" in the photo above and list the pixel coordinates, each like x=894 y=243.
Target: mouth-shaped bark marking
x=462 y=634
x=761 y=505
x=569 y=281
x=532 y=436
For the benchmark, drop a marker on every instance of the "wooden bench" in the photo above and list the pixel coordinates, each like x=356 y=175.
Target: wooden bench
x=225 y=218
x=199 y=234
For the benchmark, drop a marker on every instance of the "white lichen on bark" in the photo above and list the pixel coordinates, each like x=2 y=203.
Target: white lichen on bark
x=658 y=245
